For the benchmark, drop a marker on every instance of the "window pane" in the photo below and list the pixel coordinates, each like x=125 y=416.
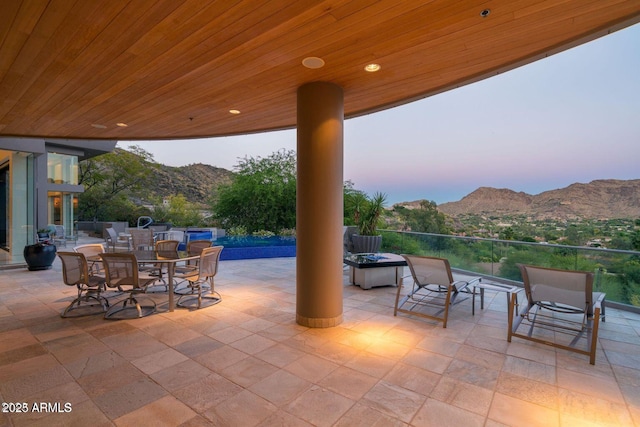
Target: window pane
x=62 y=169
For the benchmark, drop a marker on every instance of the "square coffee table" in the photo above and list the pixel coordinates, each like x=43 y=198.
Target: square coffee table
x=371 y=270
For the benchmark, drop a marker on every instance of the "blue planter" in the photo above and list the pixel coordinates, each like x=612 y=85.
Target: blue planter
x=39 y=256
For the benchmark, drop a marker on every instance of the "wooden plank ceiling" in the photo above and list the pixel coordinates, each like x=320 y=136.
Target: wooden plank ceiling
x=174 y=69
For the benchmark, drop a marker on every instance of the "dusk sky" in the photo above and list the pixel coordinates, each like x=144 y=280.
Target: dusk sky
x=572 y=117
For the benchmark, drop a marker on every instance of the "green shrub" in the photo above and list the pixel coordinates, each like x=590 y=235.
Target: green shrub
x=237 y=231
x=287 y=232
x=263 y=233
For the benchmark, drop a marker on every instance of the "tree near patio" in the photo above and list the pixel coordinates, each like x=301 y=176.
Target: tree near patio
x=262 y=195
x=179 y=212
x=353 y=201
x=109 y=180
x=425 y=219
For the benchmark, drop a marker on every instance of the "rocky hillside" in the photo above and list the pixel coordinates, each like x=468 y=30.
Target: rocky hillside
x=604 y=199
x=195 y=182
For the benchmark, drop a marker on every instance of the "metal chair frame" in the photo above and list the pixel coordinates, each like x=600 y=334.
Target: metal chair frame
x=157 y=269
x=91 y=250
x=75 y=272
x=194 y=247
x=433 y=286
x=122 y=274
x=114 y=242
x=201 y=281
x=142 y=238
x=561 y=305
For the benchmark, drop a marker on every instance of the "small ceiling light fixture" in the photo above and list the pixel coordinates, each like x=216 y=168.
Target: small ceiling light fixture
x=313 y=62
x=234 y=111
x=485 y=13
x=98 y=126
x=372 y=68
x=122 y=125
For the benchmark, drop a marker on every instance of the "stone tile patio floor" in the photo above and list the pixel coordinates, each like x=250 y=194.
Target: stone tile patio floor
x=245 y=362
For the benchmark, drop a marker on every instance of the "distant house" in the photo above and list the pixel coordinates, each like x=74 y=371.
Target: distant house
x=595 y=243
x=39 y=186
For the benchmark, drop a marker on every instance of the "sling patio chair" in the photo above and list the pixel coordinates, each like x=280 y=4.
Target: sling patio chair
x=433 y=287
x=158 y=269
x=59 y=238
x=561 y=310
x=142 y=239
x=92 y=252
x=114 y=242
x=122 y=273
x=75 y=272
x=200 y=282
x=194 y=247
x=347 y=243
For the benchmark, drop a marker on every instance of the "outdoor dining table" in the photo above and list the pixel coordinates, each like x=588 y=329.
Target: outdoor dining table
x=170 y=258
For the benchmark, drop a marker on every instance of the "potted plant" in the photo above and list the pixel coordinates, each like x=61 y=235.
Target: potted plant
x=40 y=255
x=44 y=234
x=367 y=211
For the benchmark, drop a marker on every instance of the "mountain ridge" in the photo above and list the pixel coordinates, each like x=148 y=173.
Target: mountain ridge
x=196 y=182
x=598 y=199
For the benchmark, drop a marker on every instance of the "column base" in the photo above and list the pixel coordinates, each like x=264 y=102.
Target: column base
x=318 y=322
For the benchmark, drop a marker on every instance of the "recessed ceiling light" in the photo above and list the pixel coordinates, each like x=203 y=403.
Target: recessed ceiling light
x=372 y=68
x=485 y=13
x=313 y=62
x=98 y=126
x=122 y=125
x=234 y=111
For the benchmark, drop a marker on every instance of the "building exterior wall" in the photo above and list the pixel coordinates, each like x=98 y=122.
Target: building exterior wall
x=21 y=198
x=30 y=191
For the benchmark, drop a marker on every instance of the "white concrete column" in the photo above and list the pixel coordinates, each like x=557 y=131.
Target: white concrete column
x=319 y=209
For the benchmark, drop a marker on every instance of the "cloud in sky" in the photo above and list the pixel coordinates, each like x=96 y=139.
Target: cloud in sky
x=572 y=117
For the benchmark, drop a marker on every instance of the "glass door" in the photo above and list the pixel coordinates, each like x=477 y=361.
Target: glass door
x=4 y=207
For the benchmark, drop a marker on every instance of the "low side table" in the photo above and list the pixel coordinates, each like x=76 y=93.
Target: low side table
x=371 y=270
x=496 y=287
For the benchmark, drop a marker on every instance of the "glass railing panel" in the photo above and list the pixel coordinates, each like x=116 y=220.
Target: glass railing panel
x=617 y=272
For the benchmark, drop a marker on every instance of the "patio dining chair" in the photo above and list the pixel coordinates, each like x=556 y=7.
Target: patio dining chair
x=114 y=242
x=158 y=269
x=122 y=273
x=59 y=236
x=92 y=252
x=200 y=282
x=194 y=247
x=175 y=235
x=561 y=310
x=347 y=242
x=142 y=239
x=75 y=272
x=433 y=288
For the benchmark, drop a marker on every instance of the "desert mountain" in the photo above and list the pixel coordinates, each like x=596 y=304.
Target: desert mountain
x=195 y=182
x=603 y=199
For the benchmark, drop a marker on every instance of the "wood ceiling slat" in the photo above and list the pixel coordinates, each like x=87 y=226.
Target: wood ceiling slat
x=7 y=20
x=106 y=44
x=216 y=77
x=154 y=64
x=76 y=35
x=39 y=55
x=142 y=69
x=255 y=81
x=19 y=26
x=50 y=68
x=200 y=90
x=555 y=21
